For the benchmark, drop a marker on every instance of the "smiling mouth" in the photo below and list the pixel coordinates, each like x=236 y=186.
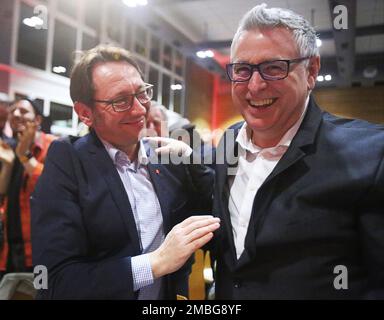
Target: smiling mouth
x=134 y=122
x=264 y=103
x=19 y=125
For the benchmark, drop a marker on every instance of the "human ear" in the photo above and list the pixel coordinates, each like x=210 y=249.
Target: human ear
x=84 y=112
x=313 y=71
x=38 y=120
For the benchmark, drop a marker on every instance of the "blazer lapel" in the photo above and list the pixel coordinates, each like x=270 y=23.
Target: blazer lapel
x=166 y=186
x=157 y=174
x=226 y=165
x=109 y=173
x=304 y=138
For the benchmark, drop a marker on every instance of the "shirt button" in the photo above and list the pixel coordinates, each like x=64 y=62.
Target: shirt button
x=237 y=285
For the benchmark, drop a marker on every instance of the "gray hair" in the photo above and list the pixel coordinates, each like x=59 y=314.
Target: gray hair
x=262 y=17
x=157 y=105
x=174 y=120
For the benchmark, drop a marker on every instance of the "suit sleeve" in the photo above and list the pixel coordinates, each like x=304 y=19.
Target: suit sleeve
x=371 y=223
x=59 y=236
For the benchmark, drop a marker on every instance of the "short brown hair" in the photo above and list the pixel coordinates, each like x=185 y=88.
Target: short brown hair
x=81 y=87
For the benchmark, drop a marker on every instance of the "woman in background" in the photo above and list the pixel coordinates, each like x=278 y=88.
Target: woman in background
x=30 y=146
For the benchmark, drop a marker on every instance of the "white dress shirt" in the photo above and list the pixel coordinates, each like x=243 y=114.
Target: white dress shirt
x=255 y=164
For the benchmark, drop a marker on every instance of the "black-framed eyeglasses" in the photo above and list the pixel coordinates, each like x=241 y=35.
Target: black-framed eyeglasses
x=126 y=102
x=268 y=70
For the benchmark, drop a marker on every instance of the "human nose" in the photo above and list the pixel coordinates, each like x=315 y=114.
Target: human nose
x=16 y=113
x=150 y=125
x=138 y=107
x=256 y=82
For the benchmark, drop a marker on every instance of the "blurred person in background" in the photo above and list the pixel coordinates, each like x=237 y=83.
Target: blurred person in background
x=6 y=153
x=165 y=123
x=24 y=157
x=157 y=120
x=6 y=131
x=4 y=106
x=6 y=161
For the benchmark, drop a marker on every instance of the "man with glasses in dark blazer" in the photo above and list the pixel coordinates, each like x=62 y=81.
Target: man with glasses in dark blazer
x=106 y=221
x=300 y=195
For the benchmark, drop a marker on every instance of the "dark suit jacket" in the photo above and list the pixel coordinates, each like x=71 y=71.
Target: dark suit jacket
x=322 y=206
x=83 y=227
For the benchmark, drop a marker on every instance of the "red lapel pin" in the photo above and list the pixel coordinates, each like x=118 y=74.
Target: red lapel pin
x=157 y=171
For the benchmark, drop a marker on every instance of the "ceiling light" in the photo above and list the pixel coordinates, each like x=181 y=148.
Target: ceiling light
x=130 y=3
x=135 y=3
x=320 y=78
x=33 y=21
x=37 y=21
x=59 y=69
x=328 y=77
x=175 y=87
x=28 y=22
x=318 y=42
x=202 y=54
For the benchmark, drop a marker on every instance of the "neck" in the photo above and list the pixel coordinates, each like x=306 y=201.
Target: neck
x=37 y=136
x=265 y=140
x=130 y=151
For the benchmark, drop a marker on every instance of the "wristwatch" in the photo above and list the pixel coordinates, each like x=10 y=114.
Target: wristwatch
x=26 y=156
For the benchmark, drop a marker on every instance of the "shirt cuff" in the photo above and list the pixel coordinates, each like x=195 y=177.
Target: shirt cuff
x=141 y=271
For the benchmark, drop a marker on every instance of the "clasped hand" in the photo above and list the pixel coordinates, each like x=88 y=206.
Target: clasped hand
x=25 y=138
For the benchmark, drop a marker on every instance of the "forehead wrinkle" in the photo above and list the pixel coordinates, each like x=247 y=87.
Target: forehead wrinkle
x=117 y=82
x=276 y=47
x=124 y=90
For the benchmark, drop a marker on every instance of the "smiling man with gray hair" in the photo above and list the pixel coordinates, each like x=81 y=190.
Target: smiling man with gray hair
x=303 y=217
